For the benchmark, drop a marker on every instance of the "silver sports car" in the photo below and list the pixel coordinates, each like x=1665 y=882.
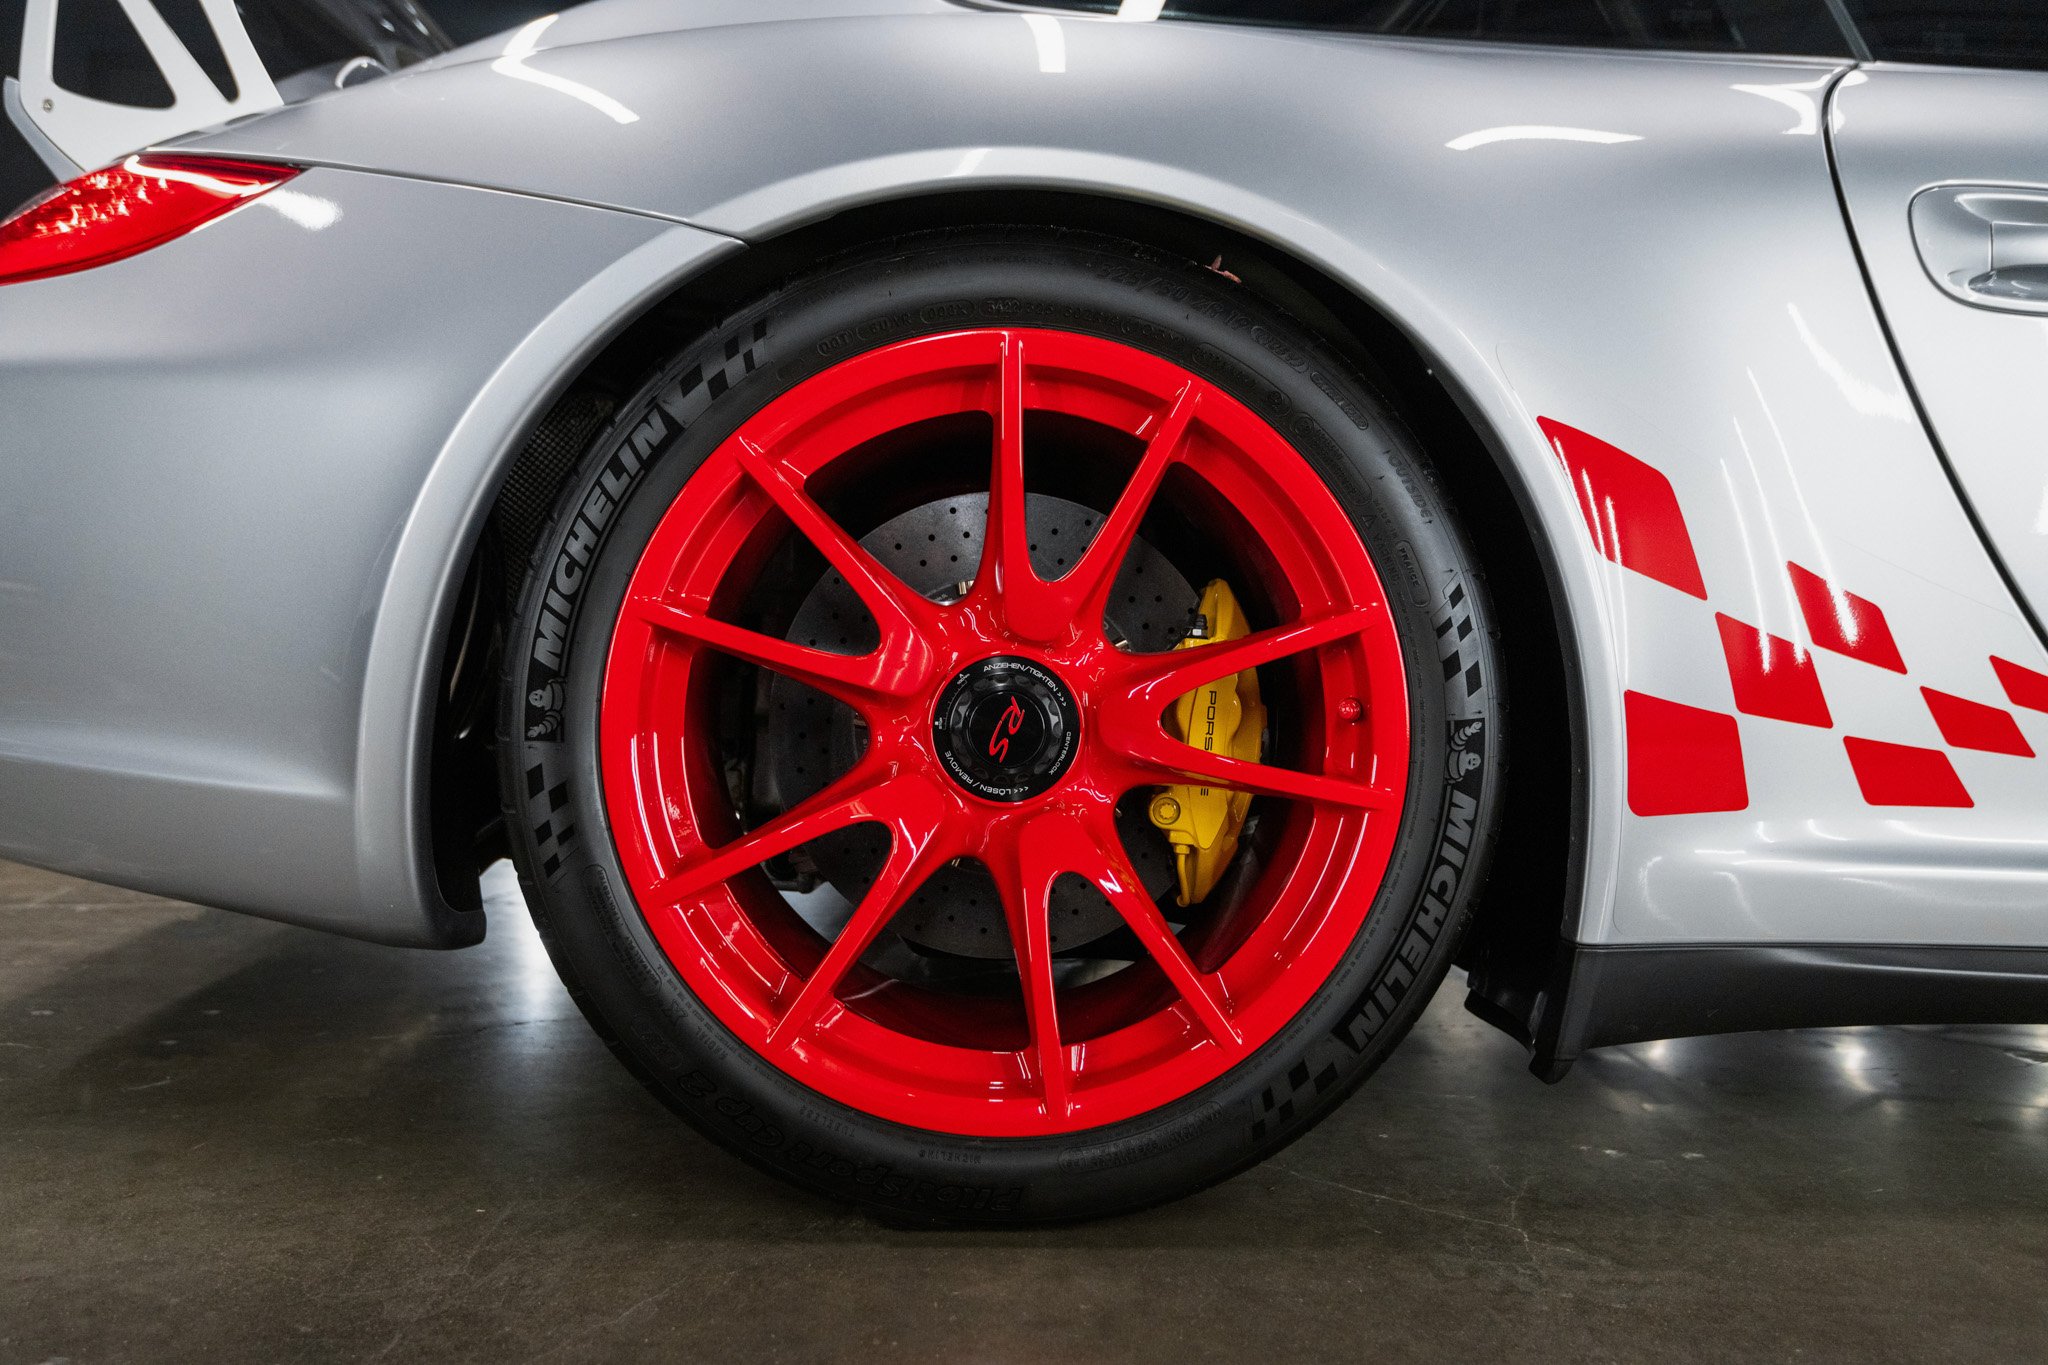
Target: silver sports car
x=1021 y=581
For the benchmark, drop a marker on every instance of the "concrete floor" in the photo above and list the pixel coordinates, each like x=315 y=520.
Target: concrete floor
x=228 y=1140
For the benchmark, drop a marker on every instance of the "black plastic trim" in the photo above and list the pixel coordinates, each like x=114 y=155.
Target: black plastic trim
x=1610 y=995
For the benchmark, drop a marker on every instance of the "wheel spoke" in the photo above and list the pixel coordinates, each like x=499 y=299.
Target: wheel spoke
x=1083 y=594
x=1027 y=902
x=917 y=845
x=1130 y=722
x=852 y=678
x=863 y=795
x=1162 y=677
x=1099 y=856
x=899 y=613
x=1006 y=575
x=1166 y=759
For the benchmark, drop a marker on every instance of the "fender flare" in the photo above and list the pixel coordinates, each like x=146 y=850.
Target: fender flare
x=394 y=841
x=394 y=846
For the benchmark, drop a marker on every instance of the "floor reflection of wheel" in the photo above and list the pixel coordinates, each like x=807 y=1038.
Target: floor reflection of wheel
x=872 y=762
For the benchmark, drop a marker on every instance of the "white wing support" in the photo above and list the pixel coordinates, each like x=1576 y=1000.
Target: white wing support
x=88 y=132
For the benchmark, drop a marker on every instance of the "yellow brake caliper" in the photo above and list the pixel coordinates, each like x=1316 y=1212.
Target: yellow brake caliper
x=1223 y=717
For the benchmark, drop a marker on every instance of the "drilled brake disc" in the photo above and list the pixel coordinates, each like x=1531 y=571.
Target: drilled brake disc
x=813 y=739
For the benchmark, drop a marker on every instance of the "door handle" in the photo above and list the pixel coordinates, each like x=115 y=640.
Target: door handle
x=1986 y=245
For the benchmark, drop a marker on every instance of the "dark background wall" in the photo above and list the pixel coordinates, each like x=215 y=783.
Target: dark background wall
x=23 y=175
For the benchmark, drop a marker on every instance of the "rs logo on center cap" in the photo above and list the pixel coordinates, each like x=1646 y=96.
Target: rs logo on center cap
x=1007 y=724
x=1005 y=728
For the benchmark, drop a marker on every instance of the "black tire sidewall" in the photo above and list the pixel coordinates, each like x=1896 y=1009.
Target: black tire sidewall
x=637 y=468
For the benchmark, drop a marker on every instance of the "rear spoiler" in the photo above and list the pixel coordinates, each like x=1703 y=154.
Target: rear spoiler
x=74 y=133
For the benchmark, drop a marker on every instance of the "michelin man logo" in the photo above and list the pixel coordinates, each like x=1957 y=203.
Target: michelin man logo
x=548 y=701
x=1463 y=760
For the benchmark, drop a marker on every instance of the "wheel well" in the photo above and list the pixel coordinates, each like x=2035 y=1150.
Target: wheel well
x=1536 y=865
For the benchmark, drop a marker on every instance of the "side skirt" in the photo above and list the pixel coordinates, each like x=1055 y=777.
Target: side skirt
x=1603 y=996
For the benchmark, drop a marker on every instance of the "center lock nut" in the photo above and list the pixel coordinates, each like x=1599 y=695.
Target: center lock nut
x=1006 y=728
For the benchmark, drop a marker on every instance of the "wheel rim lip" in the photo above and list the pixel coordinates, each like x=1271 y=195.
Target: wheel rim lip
x=915 y=1080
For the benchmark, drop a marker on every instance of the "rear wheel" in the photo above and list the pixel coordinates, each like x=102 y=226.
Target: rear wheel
x=1003 y=729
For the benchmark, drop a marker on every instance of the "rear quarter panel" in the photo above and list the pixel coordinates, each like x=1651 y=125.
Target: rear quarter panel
x=212 y=459
x=1645 y=249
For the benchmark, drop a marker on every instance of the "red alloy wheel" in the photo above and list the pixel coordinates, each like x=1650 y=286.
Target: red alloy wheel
x=1050 y=1058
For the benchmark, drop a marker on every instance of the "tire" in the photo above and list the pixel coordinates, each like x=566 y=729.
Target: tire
x=638 y=748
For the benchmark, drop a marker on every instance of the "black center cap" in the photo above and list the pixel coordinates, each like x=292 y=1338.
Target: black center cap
x=1006 y=728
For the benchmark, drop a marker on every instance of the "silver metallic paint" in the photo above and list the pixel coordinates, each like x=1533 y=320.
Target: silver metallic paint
x=220 y=459
x=596 y=23
x=1982 y=375
x=1647 y=247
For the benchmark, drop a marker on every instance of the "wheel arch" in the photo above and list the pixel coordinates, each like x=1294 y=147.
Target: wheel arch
x=1533 y=892
x=408 y=859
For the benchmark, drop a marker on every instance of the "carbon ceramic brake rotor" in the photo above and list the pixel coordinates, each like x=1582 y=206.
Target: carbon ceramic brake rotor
x=813 y=739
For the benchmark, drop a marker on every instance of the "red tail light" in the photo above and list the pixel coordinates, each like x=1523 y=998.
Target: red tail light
x=123 y=209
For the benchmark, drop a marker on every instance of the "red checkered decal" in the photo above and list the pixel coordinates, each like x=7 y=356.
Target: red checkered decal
x=2023 y=686
x=1682 y=759
x=1772 y=676
x=1843 y=622
x=1904 y=775
x=1629 y=508
x=1967 y=724
x=1685 y=760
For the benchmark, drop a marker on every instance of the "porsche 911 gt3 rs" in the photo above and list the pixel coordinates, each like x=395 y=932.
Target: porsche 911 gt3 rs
x=1021 y=581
